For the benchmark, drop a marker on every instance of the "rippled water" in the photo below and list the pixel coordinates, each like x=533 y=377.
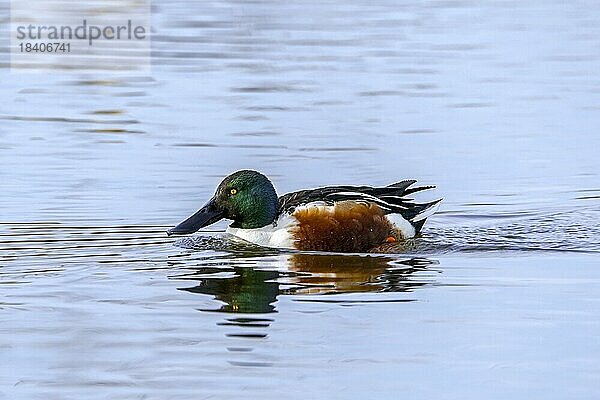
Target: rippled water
x=496 y=103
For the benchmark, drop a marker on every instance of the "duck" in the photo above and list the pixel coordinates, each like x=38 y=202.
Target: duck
x=338 y=219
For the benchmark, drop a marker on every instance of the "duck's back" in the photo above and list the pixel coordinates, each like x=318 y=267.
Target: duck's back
x=355 y=218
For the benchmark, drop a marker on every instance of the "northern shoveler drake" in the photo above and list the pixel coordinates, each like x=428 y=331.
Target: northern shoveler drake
x=331 y=218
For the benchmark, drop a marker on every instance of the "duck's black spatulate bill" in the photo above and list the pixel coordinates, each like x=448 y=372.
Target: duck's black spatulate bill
x=207 y=215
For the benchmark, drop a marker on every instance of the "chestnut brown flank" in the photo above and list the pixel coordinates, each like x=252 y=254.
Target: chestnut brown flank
x=346 y=227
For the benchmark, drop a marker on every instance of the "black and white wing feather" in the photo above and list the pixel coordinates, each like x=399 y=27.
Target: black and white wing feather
x=391 y=199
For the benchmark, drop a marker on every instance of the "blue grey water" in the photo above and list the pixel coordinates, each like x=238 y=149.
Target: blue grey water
x=495 y=102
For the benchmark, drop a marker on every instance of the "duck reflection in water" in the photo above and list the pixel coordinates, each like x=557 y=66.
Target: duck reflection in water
x=255 y=290
x=249 y=291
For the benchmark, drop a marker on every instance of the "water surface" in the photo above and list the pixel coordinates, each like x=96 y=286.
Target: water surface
x=496 y=103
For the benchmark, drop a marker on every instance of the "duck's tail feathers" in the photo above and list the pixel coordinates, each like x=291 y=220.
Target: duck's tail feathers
x=428 y=209
x=423 y=211
x=400 y=189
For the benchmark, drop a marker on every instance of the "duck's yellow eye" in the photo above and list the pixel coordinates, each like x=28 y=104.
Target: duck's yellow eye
x=233 y=191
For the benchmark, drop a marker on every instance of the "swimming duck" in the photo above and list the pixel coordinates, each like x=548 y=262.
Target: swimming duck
x=331 y=218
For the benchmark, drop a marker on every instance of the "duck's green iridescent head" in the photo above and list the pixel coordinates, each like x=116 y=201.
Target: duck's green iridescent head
x=246 y=197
